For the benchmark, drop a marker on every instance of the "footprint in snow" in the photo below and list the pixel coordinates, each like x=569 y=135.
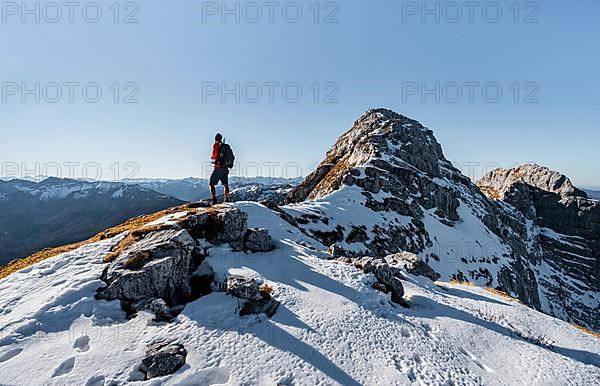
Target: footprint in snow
x=10 y=354
x=82 y=343
x=476 y=360
x=64 y=368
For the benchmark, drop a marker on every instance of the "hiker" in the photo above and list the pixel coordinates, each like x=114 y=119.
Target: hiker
x=223 y=158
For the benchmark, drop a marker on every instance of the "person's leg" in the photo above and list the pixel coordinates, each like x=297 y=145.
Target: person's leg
x=214 y=180
x=225 y=181
x=213 y=195
x=226 y=192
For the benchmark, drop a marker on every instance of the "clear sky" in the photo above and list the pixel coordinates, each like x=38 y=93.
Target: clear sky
x=183 y=59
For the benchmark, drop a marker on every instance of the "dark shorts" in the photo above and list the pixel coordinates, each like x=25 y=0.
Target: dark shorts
x=220 y=174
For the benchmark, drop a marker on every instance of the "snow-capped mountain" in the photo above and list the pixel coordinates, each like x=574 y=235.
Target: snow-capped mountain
x=348 y=283
x=196 y=189
x=59 y=211
x=261 y=192
x=385 y=187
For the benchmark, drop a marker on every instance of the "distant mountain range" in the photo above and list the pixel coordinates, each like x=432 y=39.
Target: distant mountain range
x=195 y=189
x=595 y=194
x=56 y=211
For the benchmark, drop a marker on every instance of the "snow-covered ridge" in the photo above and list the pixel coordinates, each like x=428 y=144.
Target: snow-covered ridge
x=61 y=189
x=331 y=328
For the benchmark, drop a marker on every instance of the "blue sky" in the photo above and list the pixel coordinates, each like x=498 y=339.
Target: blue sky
x=180 y=56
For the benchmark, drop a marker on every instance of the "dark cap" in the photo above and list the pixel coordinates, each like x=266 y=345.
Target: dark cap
x=218 y=137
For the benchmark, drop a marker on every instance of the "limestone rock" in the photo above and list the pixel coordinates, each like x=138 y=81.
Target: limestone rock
x=163 y=359
x=163 y=261
x=387 y=275
x=258 y=240
x=225 y=224
x=412 y=264
x=244 y=288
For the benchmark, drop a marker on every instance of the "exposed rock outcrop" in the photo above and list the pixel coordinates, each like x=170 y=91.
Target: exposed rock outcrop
x=412 y=264
x=500 y=181
x=161 y=266
x=568 y=235
x=243 y=288
x=385 y=187
x=258 y=240
x=156 y=266
x=388 y=277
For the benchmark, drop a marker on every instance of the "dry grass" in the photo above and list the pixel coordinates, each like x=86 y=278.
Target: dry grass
x=459 y=282
x=502 y=294
x=131 y=225
x=265 y=290
x=138 y=260
x=135 y=234
x=491 y=192
x=334 y=177
x=585 y=330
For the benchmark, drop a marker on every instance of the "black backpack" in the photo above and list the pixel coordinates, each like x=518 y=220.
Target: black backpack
x=226 y=157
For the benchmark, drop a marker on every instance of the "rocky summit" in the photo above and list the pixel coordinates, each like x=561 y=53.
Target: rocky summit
x=385 y=187
x=386 y=266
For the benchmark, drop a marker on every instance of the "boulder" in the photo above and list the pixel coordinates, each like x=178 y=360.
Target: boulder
x=163 y=359
x=225 y=224
x=256 y=301
x=412 y=264
x=157 y=266
x=386 y=275
x=258 y=240
x=218 y=224
x=244 y=288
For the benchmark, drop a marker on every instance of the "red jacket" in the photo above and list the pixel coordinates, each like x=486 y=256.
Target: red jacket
x=215 y=153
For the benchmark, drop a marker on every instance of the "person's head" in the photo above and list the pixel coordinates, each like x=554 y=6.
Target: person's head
x=218 y=138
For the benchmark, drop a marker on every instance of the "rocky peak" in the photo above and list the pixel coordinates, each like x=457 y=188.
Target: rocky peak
x=386 y=188
x=500 y=181
x=378 y=136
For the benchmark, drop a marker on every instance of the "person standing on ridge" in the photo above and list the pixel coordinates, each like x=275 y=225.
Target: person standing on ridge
x=222 y=159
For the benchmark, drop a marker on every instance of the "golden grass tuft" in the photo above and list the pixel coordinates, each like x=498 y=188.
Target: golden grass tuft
x=502 y=294
x=128 y=226
x=488 y=289
x=459 y=282
x=127 y=242
x=585 y=330
x=265 y=290
x=134 y=236
x=138 y=260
